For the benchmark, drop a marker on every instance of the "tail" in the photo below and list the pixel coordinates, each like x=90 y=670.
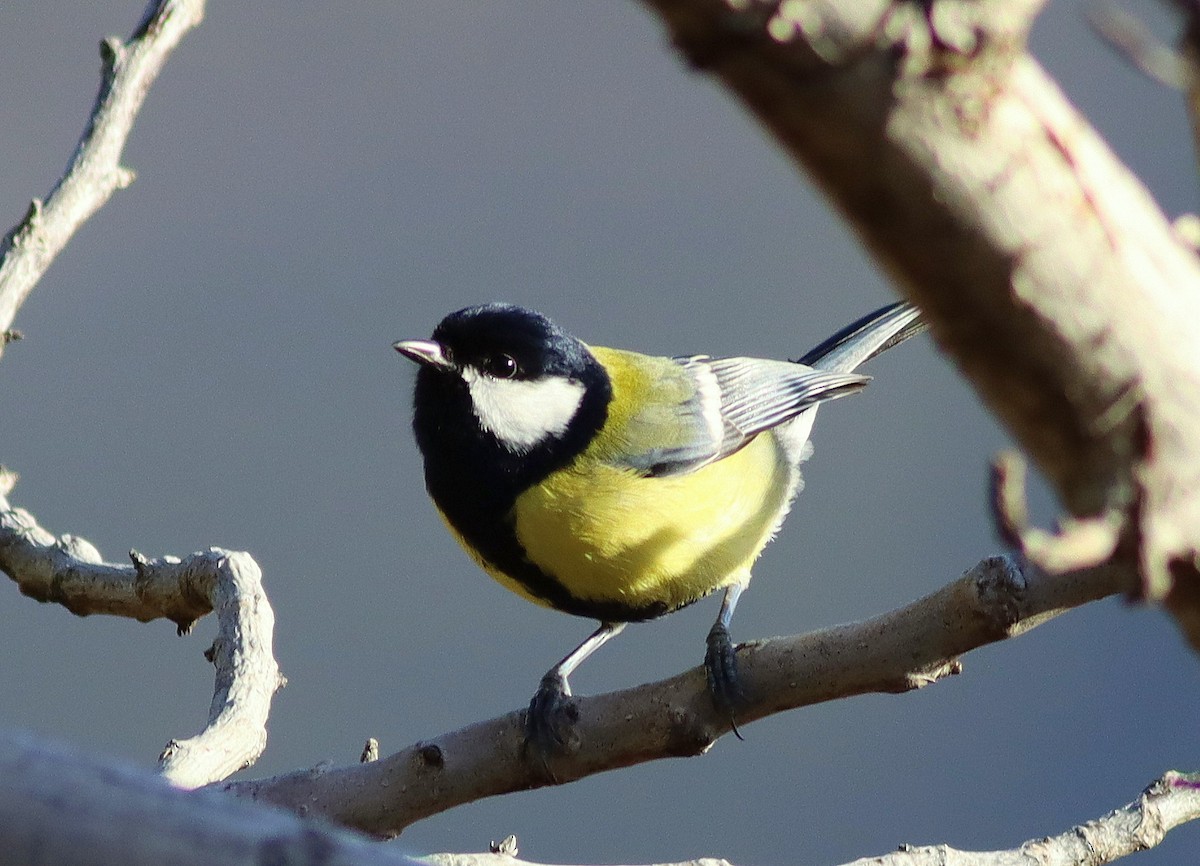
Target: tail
x=859 y=342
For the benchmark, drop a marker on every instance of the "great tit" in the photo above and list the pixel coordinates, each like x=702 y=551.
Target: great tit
x=614 y=485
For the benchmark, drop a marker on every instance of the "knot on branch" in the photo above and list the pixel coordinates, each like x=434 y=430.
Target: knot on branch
x=920 y=679
x=428 y=756
x=27 y=233
x=689 y=734
x=370 y=752
x=112 y=54
x=79 y=548
x=1000 y=587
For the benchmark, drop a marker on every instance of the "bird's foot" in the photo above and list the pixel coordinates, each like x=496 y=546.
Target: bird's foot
x=721 y=670
x=550 y=721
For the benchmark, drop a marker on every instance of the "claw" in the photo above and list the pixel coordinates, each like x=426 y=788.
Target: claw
x=721 y=670
x=551 y=717
x=550 y=721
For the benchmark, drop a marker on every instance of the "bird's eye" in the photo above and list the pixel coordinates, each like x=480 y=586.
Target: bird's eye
x=500 y=366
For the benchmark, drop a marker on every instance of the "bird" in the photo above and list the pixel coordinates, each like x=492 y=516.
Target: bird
x=615 y=485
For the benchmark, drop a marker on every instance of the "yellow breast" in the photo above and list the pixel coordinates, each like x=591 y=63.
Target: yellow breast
x=609 y=535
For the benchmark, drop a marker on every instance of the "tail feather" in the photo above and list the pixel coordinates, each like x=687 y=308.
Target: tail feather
x=864 y=339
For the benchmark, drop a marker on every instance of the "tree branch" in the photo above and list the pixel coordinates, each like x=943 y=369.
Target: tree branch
x=906 y=649
x=95 y=171
x=1129 y=37
x=70 y=571
x=1046 y=270
x=124 y=815
x=59 y=806
x=1138 y=826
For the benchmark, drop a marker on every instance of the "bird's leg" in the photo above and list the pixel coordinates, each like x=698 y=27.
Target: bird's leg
x=552 y=714
x=720 y=660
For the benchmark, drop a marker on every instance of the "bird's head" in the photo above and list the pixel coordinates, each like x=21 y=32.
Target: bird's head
x=512 y=371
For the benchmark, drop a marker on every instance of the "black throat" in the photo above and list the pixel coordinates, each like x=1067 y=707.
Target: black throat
x=475 y=480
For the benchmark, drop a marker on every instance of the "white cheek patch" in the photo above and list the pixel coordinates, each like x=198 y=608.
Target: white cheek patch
x=522 y=413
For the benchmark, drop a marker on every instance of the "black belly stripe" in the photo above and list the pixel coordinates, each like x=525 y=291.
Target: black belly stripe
x=487 y=526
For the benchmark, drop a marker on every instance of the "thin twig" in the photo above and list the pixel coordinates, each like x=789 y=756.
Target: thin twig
x=1171 y=801
x=95 y=171
x=1128 y=36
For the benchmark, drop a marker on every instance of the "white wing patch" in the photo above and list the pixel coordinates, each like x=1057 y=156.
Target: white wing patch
x=708 y=389
x=522 y=413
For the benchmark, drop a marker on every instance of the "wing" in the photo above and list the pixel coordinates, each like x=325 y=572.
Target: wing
x=709 y=408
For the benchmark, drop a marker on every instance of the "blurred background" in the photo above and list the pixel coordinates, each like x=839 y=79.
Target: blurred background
x=209 y=363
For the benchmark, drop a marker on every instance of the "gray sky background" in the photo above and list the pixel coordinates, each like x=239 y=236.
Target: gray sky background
x=209 y=363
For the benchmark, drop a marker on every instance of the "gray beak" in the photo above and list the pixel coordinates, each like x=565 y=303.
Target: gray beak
x=426 y=352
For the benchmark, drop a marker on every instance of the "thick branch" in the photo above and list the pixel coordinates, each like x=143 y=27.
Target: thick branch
x=69 y=571
x=95 y=171
x=1045 y=268
x=58 y=806
x=906 y=649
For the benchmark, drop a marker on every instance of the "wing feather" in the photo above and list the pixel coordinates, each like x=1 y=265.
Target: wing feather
x=730 y=401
